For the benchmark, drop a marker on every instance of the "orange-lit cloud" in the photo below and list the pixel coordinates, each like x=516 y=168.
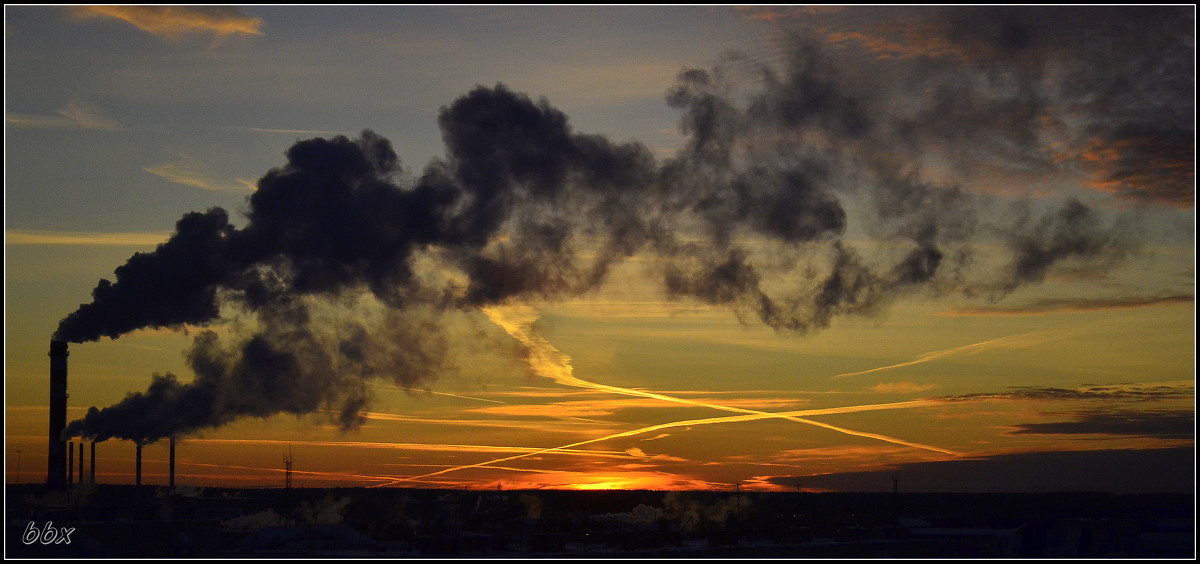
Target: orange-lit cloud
x=593 y=426
x=780 y=13
x=559 y=409
x=842 y=458
x=911 y=43
x=1072 y=305
x=1150 y=168
x=901 y=387
x=86 y=238
x=634 y=481
x=838 y=452
x=528 y=392
x=174 y=22
x=607 y=479
x=882 y=34
x=1080 y=273
x=421 y=447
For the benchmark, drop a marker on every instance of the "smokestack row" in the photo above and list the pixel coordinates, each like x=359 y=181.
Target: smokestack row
x=60 y=465
x=138 y=471
x=92 y=474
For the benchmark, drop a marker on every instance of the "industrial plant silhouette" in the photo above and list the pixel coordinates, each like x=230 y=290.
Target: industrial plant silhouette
x=122 y=521
x=163 y=520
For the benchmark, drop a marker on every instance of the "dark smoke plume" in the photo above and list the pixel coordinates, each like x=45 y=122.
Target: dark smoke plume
x=753 y=214
x=287 y=366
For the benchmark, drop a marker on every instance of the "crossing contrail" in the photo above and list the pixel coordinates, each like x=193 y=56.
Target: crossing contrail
x=546 y=360
x=790 y=415
x=552 y=363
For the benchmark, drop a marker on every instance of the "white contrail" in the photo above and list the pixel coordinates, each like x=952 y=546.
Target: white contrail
x=792 y=415
x=419 y=390
x=971 y=348
x=548 y=361
x=551 y=363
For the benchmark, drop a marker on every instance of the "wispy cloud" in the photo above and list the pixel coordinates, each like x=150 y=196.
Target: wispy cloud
x=573 y=425
x=1073 y=305
x=598 y=408
x=1142 y=392
x=37 y=237
x=175 y=22
x=431 y=392
x=901 y=387
x=840 y=458
x=73 y=116
x=1144 y=168
x=438 y=447
x=838 y=452
x=191 y=172
x=561 y=409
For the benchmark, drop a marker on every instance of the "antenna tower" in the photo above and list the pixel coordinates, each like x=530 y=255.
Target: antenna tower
x=287 y=473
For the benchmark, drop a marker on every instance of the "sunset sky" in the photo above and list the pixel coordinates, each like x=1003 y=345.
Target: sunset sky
x=608 y=247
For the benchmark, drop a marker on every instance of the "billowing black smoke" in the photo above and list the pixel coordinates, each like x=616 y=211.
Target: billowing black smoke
x=288 y=365
x=754 y=214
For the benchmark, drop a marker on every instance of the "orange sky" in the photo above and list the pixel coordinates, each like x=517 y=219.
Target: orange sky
x=870 y=255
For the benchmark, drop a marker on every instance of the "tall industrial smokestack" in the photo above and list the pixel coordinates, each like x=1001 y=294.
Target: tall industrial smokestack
x=70 y=461
x=81 y=462
x=137 y=481
x=92 y=470
x=172 y=482
x=56 y=464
